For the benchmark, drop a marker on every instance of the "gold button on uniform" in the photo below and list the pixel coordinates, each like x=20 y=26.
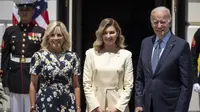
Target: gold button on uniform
x=23 y=40
x=13 y=47
x=23 y=45
x=22 y=60
x=24 y=34
x=23 y=51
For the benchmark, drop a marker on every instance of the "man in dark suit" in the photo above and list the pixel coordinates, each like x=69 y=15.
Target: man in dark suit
x=163 y=82
x=20 y=42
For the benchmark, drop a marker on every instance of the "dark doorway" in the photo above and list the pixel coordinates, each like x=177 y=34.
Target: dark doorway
x=132 y=16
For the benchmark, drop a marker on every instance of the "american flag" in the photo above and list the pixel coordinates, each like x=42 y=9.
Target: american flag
x=40 y=16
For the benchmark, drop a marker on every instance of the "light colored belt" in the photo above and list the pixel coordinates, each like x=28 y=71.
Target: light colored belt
x=20 y=60
x=104 y=98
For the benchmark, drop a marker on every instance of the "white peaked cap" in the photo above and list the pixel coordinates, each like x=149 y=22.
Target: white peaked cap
x=24 y=1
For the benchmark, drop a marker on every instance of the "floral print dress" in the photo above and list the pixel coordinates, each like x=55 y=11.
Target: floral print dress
x=56 y=93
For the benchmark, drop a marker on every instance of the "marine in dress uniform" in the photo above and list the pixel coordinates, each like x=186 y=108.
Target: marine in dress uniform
x=195 y=48
x=20 y=42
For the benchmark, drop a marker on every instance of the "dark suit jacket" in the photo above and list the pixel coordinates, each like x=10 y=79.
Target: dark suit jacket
x=170 y=87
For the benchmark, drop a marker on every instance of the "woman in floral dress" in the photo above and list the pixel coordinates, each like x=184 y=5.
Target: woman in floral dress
x=57 y=70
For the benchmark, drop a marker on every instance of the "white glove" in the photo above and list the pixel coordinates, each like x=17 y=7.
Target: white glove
x=196 y=87
x=6 y=91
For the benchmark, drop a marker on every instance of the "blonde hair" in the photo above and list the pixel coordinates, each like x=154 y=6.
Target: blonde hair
x=56 y=26
x=120 y=42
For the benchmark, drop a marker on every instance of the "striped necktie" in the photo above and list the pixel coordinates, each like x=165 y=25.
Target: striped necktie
x=155 y=56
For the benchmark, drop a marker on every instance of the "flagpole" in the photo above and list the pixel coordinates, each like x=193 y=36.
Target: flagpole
x=70 y=21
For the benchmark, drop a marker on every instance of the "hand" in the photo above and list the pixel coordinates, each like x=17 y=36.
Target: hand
x=98 y=109
x=138 y=109
x=6 y=91
x=78 y=110
x=196 y=87
x=114 y=110
x=33 y=111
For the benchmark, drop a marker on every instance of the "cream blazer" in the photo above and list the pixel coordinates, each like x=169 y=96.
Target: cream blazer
x=108 y=80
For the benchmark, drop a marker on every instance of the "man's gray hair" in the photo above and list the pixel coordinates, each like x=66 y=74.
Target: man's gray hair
x=161 y=8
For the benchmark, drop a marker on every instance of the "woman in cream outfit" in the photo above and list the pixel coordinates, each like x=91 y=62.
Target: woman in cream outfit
x=108 y=71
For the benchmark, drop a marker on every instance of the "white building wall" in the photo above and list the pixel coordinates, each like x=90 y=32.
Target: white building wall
x=6 y=7
x=194 y=23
